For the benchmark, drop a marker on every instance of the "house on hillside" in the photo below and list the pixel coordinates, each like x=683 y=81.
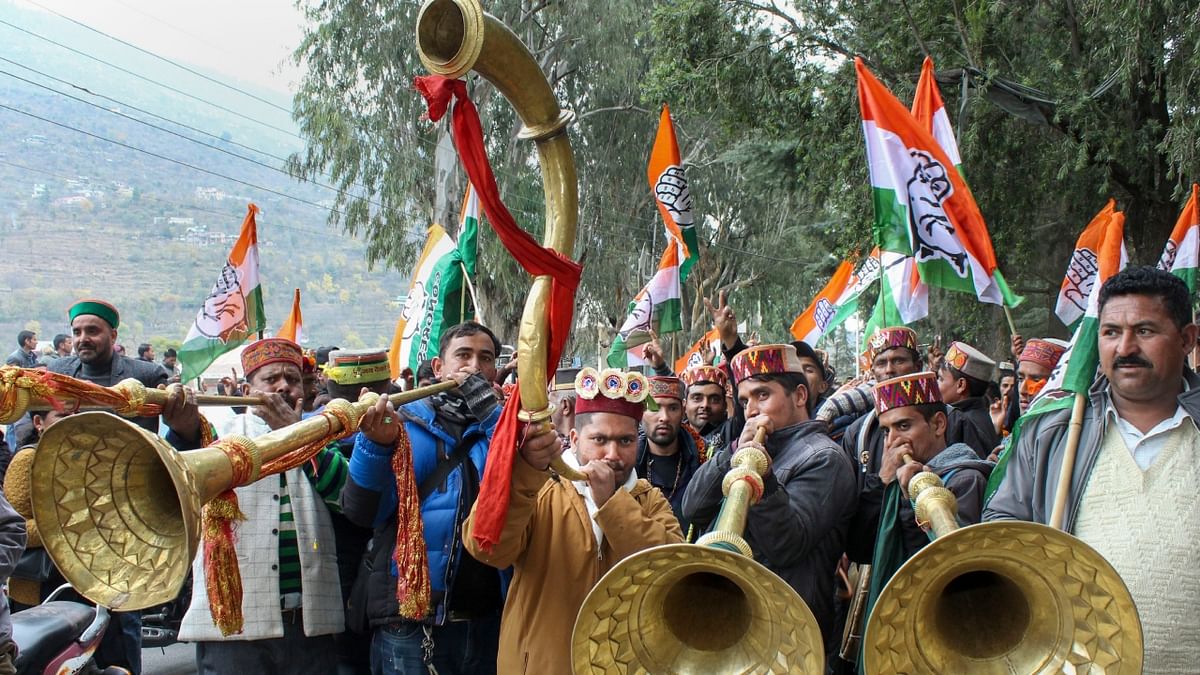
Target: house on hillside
x=209 y=194
x=73 y=202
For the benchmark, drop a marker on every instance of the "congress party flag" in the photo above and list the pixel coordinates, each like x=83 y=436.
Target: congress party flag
x=293 y=328
x=837 y=300
x=930 y=111
x=1084 y=266
x=702 y=353
x=671 y=193
x=1076 y=369
x=923 y=208
x=1181 y=256
x=435 y=298
x=903 y=297
x=233 y=310
x=655 y=309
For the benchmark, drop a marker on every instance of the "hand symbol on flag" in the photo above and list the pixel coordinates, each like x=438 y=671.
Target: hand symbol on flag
x=671 y=189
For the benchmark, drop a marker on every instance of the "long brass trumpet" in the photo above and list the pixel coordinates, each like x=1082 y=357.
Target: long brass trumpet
x=119 y=508
x=1000 y=597
x=24 y=390
x=706 y=607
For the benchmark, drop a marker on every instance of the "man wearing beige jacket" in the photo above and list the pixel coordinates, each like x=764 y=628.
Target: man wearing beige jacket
x=561 y=536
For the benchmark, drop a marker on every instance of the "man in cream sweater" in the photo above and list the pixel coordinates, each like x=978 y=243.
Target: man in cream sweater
x=1132 y=494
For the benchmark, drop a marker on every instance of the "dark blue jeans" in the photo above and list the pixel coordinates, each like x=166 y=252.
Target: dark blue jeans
x=459 y=648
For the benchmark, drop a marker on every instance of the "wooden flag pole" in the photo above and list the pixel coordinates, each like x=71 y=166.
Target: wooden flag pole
x=1012 y=327
x=1062 y=492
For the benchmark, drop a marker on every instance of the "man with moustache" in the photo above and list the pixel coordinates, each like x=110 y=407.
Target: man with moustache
x=559 y=536
x=1132 y=491
x=705 y=408
x=668 y=453
x=94 y=326
x=291 y=597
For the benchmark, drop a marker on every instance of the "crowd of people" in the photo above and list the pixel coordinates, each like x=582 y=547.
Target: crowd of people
x=327 y=552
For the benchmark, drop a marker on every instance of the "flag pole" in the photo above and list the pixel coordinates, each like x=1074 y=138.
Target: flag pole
x=1061 y=493
x=471 y=290
x=1012 y=327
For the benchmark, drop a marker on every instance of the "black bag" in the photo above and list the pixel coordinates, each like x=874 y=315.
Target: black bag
x=385 y=535
x=35 y=565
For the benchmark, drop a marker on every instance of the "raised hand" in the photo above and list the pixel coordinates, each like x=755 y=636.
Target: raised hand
x=672 y=191
x=540 y=446
x=723 y=319
x=653 y=352
x=380 y=423
x=1018 y=346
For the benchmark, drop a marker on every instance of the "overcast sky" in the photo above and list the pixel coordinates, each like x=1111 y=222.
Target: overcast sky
x=248 y=40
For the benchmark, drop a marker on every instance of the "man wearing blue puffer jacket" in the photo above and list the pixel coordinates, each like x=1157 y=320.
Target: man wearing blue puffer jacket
x=450 y=434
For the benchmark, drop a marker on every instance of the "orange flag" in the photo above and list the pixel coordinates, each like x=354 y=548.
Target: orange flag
x=671 y=192
x=293 y=328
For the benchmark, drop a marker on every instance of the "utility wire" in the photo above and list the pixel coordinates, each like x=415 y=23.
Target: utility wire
x=186 y=138
x=152 y=81
x=162 y=58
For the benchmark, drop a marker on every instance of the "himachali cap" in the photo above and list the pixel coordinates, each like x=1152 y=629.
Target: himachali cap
x=765 y=360
x=667 y=387
x=360 y=366
x=906 y=390
x=611 y=391
x=1006 y=367
x=970 y=361
x=564 y=379
x=890 y=338
x=271 y=350
x=1042 y=352
x=698 y=374
x=98 y=308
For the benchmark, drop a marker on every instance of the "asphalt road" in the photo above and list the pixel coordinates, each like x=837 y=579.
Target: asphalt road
x=178 y=659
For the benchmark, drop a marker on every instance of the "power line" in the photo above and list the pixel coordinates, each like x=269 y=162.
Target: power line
x=184 y=137
x=152 y=81
x=170 y=159
x=162 y=58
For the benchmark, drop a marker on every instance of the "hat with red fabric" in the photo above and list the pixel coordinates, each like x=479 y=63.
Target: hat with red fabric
x=889 y=338
x=612 y=391
x=907 y=390
x=765 y=360
x=1043 y=352
x=698 y=374
x=667 y=387
x=271 y=350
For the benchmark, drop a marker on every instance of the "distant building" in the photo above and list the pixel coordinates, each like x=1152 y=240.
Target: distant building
x=73 y=202
x=178 y=220
x=35 y=139
x=209 y=194
x=39 y=189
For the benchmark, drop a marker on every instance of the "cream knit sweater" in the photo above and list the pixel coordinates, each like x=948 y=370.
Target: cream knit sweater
x=1146 y=523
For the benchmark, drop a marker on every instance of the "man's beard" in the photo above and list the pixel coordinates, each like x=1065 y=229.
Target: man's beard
x=662 y=437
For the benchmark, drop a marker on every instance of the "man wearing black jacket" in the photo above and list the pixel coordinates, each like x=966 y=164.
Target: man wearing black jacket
x=963 y=378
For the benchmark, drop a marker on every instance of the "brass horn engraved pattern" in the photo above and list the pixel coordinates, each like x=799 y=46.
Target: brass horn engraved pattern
x=630 y=628
x=122 y=545
x=1079 y=626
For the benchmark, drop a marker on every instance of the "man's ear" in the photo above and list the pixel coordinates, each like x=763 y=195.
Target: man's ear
x=437 y=367
x=1189 y=338
x=960 y=385
x=800 y=397
x=940 y=422
x=572 y=436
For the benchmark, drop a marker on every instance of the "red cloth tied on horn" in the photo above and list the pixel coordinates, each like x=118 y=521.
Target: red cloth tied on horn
x=440 y=92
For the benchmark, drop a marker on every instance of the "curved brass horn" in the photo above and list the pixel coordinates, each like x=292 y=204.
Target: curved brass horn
x=1001 y=597
x=119 y=509
x=455 y=37
x=706 y=607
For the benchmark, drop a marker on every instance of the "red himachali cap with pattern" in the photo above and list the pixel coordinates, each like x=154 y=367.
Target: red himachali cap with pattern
x=907 y=390
x=611 y=391
x=271 y=350
x=667 y=387
x=697 y=374
x=890 y=338
x=765 y=360
x=1043 y=352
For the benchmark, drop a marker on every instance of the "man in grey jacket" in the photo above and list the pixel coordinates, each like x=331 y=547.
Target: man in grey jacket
x=1132 y=490
x=12 y=545
x=797 y=529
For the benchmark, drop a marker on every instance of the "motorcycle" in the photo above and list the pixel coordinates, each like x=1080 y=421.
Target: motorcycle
x=60 y=637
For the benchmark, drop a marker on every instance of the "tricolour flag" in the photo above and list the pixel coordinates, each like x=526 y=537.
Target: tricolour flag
x=655 y=309
x=671 y=193
x=233 y=310
x=1181 y=256
x=702 y=353
x=1084 y=265
x=903 y=297
x=1076 y=369
x=930 y=111
x=436 y=298
x=837 y=301
x=293 y=328
x=923 y=208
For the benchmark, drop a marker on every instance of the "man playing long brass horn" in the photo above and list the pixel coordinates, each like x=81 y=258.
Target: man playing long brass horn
x=291 y=599
x=798 y=528
x=1132 y=492
x=561 y=537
